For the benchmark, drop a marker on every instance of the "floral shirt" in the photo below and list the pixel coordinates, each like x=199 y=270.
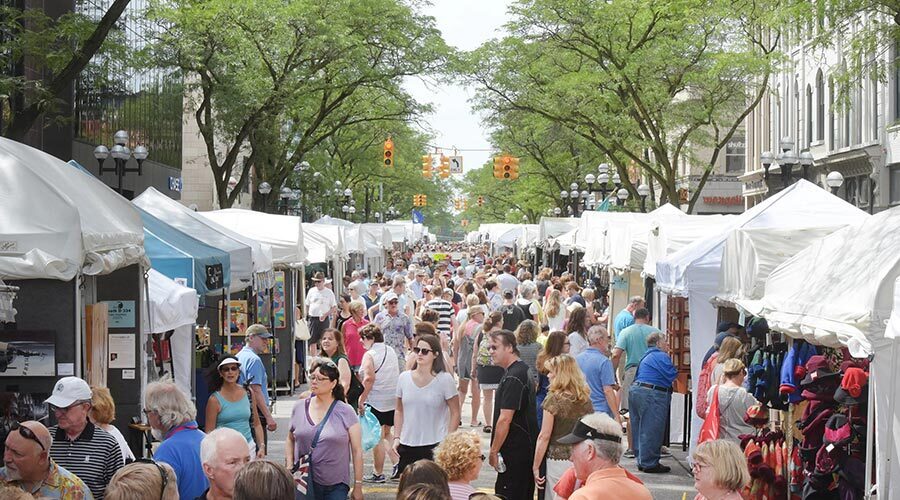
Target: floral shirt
x=396 y=330
x=60 y=483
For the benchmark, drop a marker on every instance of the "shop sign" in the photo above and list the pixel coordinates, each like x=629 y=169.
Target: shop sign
x=215 y=277
x=618 y=283
x=724 y=200
x=175 y=184
x=754 y=186
x=9 y=246
x=121 y=313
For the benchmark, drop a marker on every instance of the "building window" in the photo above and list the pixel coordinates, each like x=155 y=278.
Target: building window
x=820 y=106
x=734 y=154
x=856 y=190
x=896 y=80
x=876 y=110
x=895 y=185
x=832 y=119
x=110 y=95
x=809 y=115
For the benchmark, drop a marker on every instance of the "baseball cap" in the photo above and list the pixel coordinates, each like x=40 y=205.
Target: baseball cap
x=389 y=297
x=258 y=330
x=724 y=326
x=67 y=391
x=508 y=293
x=228 y=361
x=582 y=432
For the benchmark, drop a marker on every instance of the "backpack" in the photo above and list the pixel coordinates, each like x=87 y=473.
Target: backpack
x=703 y=385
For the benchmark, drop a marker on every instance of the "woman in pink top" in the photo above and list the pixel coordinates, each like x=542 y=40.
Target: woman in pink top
x=720 y=470
x=352 y=343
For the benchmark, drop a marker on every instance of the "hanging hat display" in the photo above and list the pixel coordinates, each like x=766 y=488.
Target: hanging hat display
x=854 y=387
x=817 y=369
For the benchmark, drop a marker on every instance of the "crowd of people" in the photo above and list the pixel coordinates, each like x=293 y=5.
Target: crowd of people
x=558 y=406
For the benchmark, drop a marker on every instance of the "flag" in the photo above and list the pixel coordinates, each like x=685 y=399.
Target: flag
x=603 y=206
x=417 y=217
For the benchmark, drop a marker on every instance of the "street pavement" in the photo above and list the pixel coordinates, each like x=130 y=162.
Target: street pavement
x=675 y=485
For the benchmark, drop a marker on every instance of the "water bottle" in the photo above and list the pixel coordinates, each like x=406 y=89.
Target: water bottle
x=501 y=465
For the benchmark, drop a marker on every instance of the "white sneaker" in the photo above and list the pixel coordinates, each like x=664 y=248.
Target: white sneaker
x=664 y=452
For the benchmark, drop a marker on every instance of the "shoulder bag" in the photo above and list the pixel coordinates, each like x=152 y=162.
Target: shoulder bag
x=710 y=429
x=302 y=469
x=301 y=330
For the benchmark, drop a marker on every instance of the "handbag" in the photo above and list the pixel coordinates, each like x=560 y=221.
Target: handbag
x=301 y=330
x=710 y=429
x=303 y=469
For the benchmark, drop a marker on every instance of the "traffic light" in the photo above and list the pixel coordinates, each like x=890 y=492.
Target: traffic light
x=481 y=201
x=389 y=153
x=506 y=167
x=426 y=166
x=424 y=200
x=420 y=200
x=464 y=222
x=465 y=204
x=456 y=203
x=444 y=169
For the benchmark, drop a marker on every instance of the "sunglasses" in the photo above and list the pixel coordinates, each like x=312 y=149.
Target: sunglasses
x=393 y=302
x=67 y=409
x=27 y=433
x=422 y=350
x=162 y=474
x=230 y=368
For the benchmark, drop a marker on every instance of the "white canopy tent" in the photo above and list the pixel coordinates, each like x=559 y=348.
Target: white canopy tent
x=282 y=233
x=751 y=254
x=173 y=307
x=552 y=227
x=565 y=243
x=520 y=236
x=665 y=239
x=624 y=239
x=187 y=221
x=111 y=233
x=324 y=242
x=693 y=271
x=839 y=290
x=413 y=231
x=885 y=373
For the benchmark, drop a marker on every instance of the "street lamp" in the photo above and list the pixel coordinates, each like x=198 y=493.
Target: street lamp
x=834 y=180
x=622 y=195
x=766 y=159
x=121 y=154
x=557 y=211
x=643 y=191
x=788 y=159
x=264 y=188
x=377 y=216
x=806 y=162
x=285 y=194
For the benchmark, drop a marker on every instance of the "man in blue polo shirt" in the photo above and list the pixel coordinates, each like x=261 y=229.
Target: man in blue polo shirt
x=633 y=342
x=253 y=371
x=598 y=371
x=649 y=400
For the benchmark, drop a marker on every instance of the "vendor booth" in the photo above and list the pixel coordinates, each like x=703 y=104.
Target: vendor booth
x=837 y=296
x=692 y=273
x=170 y=323
x=73 y=250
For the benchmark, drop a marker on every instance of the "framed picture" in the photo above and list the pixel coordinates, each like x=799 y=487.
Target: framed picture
x=28 y=353
x=238 y=316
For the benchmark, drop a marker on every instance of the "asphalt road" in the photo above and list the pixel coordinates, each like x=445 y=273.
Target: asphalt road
x=676 y=485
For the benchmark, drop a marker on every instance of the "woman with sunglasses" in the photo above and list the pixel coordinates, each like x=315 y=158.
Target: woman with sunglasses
x=333 y=347
x=427 y=404
x=340 y=437
x=230 y=405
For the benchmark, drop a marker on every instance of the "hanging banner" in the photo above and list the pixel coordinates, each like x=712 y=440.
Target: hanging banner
x=278 y=300
x=262 y=308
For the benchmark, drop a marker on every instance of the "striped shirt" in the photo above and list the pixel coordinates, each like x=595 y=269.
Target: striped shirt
x=445 y=310
x=94 y=456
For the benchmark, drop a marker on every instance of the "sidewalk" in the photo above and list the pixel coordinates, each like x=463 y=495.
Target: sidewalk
x=672 y=486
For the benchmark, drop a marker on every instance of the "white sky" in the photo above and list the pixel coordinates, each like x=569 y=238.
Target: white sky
x=465 y=24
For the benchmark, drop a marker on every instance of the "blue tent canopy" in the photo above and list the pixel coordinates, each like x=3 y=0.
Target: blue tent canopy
x=178 y=255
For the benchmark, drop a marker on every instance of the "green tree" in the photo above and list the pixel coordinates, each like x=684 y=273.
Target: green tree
x=644 y=82
x=56 y=50
x=275 y=79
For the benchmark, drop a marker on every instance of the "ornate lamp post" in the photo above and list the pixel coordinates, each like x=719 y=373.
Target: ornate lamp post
x=121 y=154
x=643 y=191
x=834 y=180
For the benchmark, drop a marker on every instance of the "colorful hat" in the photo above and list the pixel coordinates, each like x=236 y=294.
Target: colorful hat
x=837 y=430
x=854 y=387
x=757 y=415
x=817 y=368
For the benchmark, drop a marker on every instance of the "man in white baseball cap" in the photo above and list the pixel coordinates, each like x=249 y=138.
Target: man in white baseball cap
x=79 y=446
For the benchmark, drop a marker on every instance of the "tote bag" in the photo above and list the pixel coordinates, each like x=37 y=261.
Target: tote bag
x=710 y=428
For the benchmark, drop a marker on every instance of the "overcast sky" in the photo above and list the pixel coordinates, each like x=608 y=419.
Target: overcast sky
x=465 y=24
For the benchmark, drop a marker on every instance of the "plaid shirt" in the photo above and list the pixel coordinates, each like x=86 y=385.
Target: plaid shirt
x=396 y=330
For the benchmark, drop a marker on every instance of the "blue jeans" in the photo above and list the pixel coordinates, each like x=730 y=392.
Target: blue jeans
x=338 y=491
x=649 y=411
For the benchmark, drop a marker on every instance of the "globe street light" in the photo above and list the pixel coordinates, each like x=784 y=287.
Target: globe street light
x=121 y=154
x=806 y=162
x=834 y=180
x=766 y=159
x=622 y=195
x=643 y=191
x=557 y=211
x=788 y=159
x=264 y=188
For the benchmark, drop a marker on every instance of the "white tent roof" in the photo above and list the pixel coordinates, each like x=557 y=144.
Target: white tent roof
x=413 y=231
x=334 y=221
x=666 y=239
x=171 y=305
x=495 y=230
x=751 y=254
x=40 y=231
x=803 y=203
x=839 y=291
x=520 y=235
x=324 y=242
x=552 y=227
x=624 y=240
x=187 y=221
x=282 y=233
x=378 y=239
x=885 y=373
x=565 y=242
x=112 y=235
